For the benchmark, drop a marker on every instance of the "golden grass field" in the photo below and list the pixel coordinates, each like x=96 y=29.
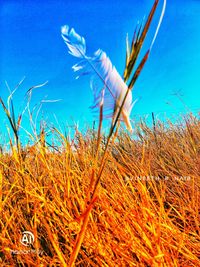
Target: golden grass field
x=145 y=213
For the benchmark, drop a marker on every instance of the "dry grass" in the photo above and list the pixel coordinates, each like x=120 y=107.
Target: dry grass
x=146 y=212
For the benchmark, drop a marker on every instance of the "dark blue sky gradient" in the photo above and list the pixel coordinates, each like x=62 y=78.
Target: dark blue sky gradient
x=31 y=46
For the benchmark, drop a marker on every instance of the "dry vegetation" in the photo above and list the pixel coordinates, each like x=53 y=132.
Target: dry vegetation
x=146 y=212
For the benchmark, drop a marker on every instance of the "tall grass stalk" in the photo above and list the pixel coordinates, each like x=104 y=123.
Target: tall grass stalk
x=131 y=58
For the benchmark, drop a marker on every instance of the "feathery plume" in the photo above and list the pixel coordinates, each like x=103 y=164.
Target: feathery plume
x=109 y=89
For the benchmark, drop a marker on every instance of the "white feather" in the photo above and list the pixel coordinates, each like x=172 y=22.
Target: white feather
x=74 y=41
x=109 y=89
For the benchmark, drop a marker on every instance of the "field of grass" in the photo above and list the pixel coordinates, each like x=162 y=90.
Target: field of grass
x=145 y=212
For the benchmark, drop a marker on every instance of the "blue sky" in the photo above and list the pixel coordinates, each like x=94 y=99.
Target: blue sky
x=31 y=46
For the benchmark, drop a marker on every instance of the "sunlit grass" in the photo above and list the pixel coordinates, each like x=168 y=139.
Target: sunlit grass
x=146 y=212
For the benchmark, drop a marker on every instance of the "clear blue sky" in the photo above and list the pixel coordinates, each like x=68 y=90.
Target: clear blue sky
x=31 y=46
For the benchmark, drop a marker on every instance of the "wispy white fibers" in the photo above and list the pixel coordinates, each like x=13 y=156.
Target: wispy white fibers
x=107 y=85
